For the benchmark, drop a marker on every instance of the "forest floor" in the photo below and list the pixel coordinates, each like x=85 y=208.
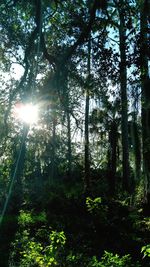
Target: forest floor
x=91 y=226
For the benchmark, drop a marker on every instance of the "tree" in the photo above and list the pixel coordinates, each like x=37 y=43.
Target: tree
x=123 y=89
x=87 y=100
x=145 y=85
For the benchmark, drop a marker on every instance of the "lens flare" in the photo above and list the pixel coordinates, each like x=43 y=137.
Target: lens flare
x=27 y=113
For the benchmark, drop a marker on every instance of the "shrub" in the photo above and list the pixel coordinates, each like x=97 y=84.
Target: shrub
x=35 y=253
x=26 y=218
x=97 y=209
x=93 y=205
x=111 y=260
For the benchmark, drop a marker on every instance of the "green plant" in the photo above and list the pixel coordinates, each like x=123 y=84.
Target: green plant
x=75 y=259
x=35 y=254
x=111 y=260
x=25 y=218
x=93 y=205
x=146 y=250
x=28 y=218
x=31 y=252
x=18 y=246
x=139 y=192
x=97 y=209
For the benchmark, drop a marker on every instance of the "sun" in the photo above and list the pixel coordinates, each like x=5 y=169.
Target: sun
x=27 y=113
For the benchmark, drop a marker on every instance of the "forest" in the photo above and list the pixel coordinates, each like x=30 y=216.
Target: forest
x=75 y=133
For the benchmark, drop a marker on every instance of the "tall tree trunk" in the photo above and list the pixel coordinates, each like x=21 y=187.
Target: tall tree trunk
x=124 y=102
x=112 y=157
x=135 y=140
x=67 y=110
x=145 y=86
x=53 y=157
x=87 y=101
x=18 y=189
x=65 y=96
x=69 y=152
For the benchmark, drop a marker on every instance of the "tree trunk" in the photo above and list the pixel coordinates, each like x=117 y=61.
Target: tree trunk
x=67 y=110
x=124 y=103
x=145 y=86
x=87 y=101
x=69 y=152
x=53 y=156
x=18 y=190
x=112 y=157
x=135 y=141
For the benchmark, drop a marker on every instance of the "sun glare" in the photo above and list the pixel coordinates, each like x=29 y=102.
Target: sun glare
x=27 y=113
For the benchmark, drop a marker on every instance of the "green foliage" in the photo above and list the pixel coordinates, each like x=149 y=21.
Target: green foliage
x=17 y=247
x=146 y=250
x=75 y=259
x=111 y=260
x=97 y=208
x=32 y=254
x=27 y=218
x=139 y=192
x=36 y=254
x=93 y=205
x=56 y=77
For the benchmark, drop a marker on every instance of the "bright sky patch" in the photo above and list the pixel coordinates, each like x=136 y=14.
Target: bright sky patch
x=27 y=113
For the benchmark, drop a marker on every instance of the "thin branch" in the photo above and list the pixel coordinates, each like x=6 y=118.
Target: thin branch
x=113 y=40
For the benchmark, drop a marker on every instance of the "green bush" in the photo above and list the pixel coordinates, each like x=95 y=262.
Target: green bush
x=111 y=260
x=97 y=209
x=33 y=253
x=93 y=205
x=26 y=218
